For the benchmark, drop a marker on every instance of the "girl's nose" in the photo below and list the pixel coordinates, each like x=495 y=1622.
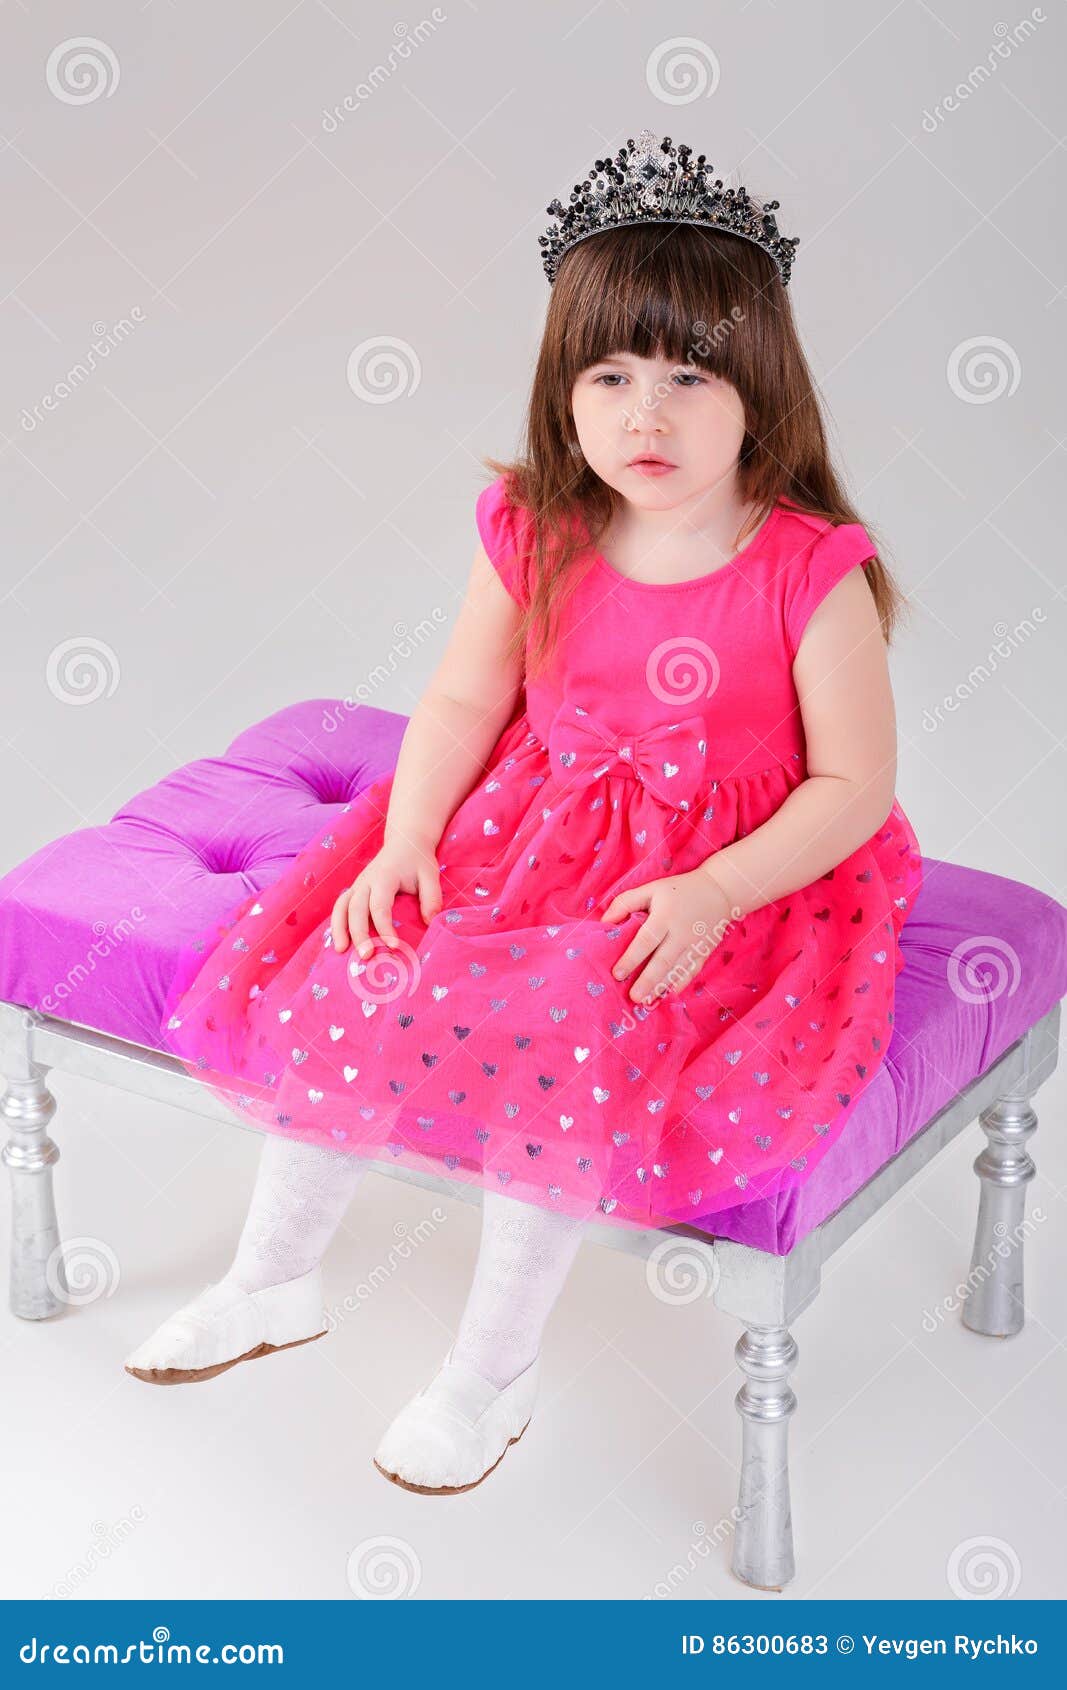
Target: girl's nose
x=646 y=419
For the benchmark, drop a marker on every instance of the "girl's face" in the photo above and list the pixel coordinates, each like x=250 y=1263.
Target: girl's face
x=627 y=408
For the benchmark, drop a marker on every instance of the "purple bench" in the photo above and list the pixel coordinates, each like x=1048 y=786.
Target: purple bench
x=91 y=924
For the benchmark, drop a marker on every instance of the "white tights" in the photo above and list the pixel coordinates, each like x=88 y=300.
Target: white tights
x=298 y=1202
x=300 y=1198
x=524 y=1257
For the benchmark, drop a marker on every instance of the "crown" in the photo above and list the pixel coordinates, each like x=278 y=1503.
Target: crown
x=653 y=181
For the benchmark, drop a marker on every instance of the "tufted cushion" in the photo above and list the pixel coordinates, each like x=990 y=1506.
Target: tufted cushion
x=91 y=924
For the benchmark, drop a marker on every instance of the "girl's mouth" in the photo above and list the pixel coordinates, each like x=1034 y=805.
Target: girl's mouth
x=651 y=466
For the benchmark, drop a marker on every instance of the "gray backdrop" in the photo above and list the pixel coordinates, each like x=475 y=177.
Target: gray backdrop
x=217 y=504
x=223 y=495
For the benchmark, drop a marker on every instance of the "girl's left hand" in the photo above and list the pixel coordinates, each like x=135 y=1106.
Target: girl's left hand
x=687 y=916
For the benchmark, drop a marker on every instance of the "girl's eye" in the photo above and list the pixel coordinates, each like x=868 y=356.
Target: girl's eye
x=684 y=378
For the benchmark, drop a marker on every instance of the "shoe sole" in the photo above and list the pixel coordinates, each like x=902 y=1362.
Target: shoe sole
x=448 y=1490
x=193 y=1375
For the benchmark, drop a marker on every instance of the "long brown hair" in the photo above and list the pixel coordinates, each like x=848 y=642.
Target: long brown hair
x=693 y=296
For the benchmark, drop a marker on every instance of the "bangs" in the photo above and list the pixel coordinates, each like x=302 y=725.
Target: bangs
x=632 y=290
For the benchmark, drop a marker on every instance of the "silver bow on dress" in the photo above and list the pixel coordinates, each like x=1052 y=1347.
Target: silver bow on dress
x=669 y=760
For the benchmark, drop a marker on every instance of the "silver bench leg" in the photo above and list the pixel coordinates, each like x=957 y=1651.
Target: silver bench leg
x=995 y=1305
x=38 y=1276
x=766 y=1293
x=763 y=1539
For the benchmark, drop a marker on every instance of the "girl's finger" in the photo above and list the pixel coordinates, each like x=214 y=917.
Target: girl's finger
x=643 y=943
x=655 y=975
x=624 y=903
x=685 y=970
x=670 y=970
x=339 y=920
x=358 y=918
x=429 y=884
x=681 y=972
x=382 y=898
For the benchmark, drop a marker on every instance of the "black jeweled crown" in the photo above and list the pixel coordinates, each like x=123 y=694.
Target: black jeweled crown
x=654 y=181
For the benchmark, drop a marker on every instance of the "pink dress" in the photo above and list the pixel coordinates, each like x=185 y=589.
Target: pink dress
x=495 y=1046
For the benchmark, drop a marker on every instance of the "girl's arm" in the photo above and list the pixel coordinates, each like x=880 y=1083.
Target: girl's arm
x=460 y=716
x=841 y=673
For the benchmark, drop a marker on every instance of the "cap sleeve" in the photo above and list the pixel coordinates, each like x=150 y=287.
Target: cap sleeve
x=837 y=550
x=506 y=533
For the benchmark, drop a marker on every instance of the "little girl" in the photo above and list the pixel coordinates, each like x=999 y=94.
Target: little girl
x=618 y=939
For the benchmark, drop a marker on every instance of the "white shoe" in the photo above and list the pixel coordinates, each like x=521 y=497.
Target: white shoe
x=453 y=1432
x=225 y=1325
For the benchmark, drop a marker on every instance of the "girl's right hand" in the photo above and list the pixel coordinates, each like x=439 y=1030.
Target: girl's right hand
x=399 y=866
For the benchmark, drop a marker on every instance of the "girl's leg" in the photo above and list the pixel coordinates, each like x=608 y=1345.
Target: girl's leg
x=271 y=1296
x=525 y=1255
x=299 y=1200
x=451 y=1435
